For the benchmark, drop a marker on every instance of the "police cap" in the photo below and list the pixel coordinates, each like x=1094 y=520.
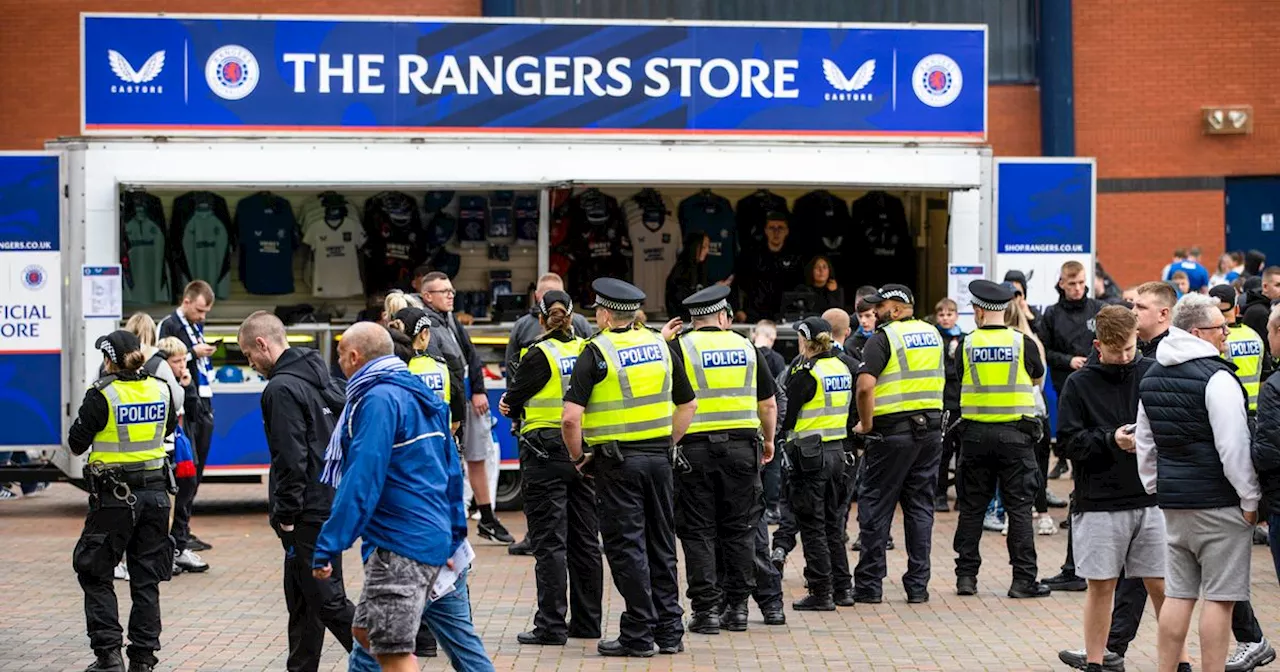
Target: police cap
x=708 y=301
x=415 y=321
x=553 y=297
x=117 y=345
x=988 y=295
x=615 y=294
x=810 y=327
x=892 y=292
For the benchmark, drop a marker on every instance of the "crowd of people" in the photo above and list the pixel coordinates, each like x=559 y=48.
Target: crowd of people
x=634 y=439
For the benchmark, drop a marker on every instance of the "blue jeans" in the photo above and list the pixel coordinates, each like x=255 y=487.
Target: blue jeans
x=20 y=458
x=450 y=620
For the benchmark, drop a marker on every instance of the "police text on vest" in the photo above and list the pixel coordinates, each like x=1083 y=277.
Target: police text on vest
x=840 y=383
x=640 y=354
x=991 y=354
x=922 y=340
x=133 y=414
x=717 y=358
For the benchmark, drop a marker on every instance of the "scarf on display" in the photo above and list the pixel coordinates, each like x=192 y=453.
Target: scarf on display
x=383 y=369
x=204 y=367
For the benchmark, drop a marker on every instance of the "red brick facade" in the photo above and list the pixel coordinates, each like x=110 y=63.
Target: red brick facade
x=1142 y=71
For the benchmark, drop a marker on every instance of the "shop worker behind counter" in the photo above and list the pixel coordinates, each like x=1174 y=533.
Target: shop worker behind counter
x=630 y=399
x=899 y=399
x=720 y=494
x=300 y=408
x=998 y=367
x=125 y=416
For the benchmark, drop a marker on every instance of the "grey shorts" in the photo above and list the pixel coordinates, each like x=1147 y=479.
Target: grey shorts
x=477 y=437
x=1209 y=554
x=1106 y=542
x=395 y=593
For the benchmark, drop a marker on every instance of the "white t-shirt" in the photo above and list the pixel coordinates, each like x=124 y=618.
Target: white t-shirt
x=655 y=242
x=335 y=256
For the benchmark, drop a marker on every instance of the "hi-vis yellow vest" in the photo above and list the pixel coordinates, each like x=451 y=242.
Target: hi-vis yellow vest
x=826 y=414
x=722 y=367
x=914 y=377
x=633 y=402
x=136 y=414
x=435 y=374
x=544 y=409
x=996 y=386
x=1246 y=349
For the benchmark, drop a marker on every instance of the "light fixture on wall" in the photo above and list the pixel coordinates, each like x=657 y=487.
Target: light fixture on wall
x=1227 y=119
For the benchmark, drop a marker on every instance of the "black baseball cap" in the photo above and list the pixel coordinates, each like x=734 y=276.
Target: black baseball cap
x=415 y=321
x=892 y=292
x=553 y=297
x=118 y=344
x=810 y=327
x=1226 y=296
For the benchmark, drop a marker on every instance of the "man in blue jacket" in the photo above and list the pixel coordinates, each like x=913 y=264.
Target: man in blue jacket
x=399 y=487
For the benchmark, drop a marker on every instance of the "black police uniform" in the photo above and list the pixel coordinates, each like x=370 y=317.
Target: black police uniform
x=136 y=524
x=815 y=496
x=635 y=501
x=560 y=506
x=995 y=455
x=719 y=501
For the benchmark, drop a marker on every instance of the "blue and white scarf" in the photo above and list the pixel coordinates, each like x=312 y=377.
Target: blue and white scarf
x=359 y=385
x=204 y=367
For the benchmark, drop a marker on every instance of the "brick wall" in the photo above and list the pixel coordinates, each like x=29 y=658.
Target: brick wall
x=40 y=49
x=1142 y=72
x=1013 y=120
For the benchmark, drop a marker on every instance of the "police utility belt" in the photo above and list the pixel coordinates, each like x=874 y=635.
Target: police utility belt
x=714 y=443
x=804 y=455
x=919 y=424
x=119 y=480
x=543 y=444
x=1032 y=426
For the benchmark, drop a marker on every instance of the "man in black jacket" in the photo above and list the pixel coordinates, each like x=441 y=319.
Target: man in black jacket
x=1066 y=330
x=1118 y=528
x=300 y=406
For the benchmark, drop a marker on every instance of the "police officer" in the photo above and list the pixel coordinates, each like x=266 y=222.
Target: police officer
x=1245 y=347
x=719 y=493
x=559 y=502
x=432 y=369
x=819 y=395
x=900 y=385
x=998 y=432
x=630 y=398
x=125 y=416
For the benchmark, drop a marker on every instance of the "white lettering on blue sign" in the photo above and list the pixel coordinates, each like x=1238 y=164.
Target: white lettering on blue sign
x=991 y=354
x=434 y=381
x=640 y=354
x=922 y=340
x=133 y=414
x=840 y=383
x=567 y=364
x=1246 y=348
x=716 y=358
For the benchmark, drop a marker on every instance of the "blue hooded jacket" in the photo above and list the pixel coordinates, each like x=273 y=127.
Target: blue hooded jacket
x=401 y=486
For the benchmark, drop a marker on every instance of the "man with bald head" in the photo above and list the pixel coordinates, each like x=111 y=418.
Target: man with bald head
x=300 y=408
x=399 y=487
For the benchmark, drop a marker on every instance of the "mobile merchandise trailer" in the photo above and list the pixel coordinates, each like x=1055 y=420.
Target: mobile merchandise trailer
x=301 y=105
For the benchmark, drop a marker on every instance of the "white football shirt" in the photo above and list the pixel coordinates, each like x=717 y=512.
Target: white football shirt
x=655 y=242
x=335 y=246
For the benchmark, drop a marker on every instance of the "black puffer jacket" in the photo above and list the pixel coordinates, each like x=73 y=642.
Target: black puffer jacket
x=1256 y=310
x=1066 y=330
x=1266 y=442
x=300 y=407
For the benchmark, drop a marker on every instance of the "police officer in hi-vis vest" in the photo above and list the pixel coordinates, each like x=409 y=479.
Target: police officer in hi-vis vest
x=629 y=397
x=432 y=369
x=719 y=493
x=819 y=397
x=559 y=502
x=998 y=367
x=1245 y=347
x=125 y=416
x=899 y=397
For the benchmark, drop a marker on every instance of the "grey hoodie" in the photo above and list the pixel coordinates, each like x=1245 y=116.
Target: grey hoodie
x=1224 y=399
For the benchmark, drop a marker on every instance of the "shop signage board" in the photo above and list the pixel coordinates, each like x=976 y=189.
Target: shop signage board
x=206 y=75
x=31 y=284
x=1045 y=217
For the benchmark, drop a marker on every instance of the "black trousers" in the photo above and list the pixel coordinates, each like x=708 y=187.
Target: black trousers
x=901 y=470
x=996 y=455
x=817 y=487
x=314 y=604
x=635 y=500
x=199 y=430
x=560 y=506
x=771 y=479
x=949 y=444
x=1131 y=599
x=784 y=536
x=768 y=590
x=1043 y=449
x=112 y=530
x=718 y=503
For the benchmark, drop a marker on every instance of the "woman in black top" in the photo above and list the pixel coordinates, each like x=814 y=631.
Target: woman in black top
x=559 y=502
x=823 y=289
x=689 y=275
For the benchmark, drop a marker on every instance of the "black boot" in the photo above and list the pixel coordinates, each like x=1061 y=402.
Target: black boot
x=135 y=666
x=705 y=623
x=940 y=504
x=537 y=638
x=966 y=585
x=1025 y=589
x=843 y=597
x=814 y=602
x=109 y=660
x=774 y=614
x=1067 y=582
x=617 y=649
x=522 y=547
x=734 y=618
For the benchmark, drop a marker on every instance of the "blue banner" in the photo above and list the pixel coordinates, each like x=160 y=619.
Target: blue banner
x=1044 y=208
x=31 y=280
x=172 y=75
